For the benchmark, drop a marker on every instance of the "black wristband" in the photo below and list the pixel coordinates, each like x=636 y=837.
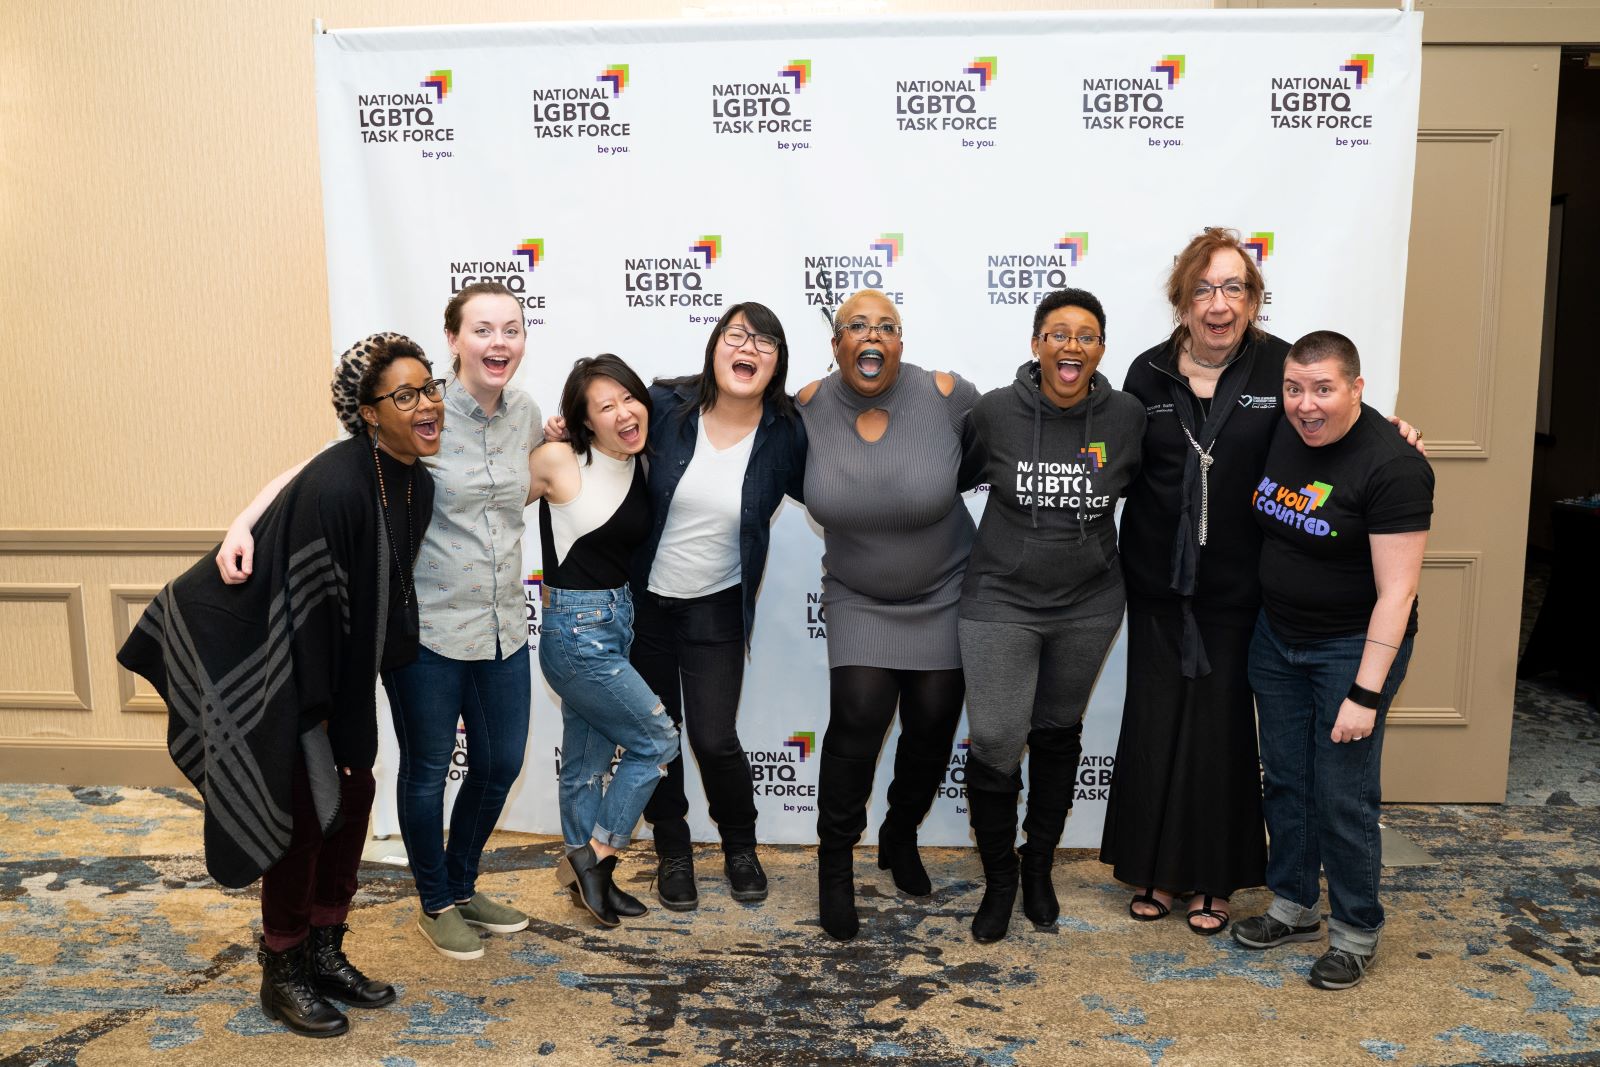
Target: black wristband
x=1367 y=698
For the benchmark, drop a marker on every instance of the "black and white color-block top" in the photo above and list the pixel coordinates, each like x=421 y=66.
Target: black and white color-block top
x=589 y=542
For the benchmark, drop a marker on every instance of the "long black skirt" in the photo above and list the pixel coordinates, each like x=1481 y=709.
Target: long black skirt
x=1184 y=813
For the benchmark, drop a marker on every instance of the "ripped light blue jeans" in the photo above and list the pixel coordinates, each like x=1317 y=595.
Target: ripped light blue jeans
x=584 y=638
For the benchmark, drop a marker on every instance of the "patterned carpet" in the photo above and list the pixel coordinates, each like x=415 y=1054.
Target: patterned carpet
x=115 y=948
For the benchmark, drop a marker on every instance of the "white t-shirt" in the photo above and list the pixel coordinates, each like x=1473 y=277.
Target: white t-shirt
x=699 y=551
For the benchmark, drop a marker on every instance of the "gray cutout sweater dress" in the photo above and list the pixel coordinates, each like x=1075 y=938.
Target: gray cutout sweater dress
x=896 y=531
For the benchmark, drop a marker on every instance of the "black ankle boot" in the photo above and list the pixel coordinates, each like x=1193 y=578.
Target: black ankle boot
x=580 y=870
x=336 y=977
x=625 y=905
x=992 y=808
x=898 y=855
x=1052 y=778
x=843 y=786
x=288 y=996
x=836 y=893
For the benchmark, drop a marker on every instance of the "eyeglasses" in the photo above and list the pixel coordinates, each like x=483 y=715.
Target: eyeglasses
x=1231 y=290
x=861 y=329
x=1085 y=340
x=734 y=336
x=405 y=397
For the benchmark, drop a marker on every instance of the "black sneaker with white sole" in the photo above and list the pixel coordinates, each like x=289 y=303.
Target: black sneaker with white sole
x=1339 y=969
x=1263 y=931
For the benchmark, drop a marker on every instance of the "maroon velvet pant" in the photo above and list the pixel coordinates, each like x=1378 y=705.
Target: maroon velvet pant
x=313 y=883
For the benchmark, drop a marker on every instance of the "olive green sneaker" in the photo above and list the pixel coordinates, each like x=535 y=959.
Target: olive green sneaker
x=492 y=916
x=450 y=934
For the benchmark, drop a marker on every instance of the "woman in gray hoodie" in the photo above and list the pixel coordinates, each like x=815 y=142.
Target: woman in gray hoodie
x=1043 y=595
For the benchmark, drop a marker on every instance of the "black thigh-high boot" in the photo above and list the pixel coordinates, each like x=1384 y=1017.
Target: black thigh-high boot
x=917 y=778
x=843 y=787
x=1053 y=754
x=992 y=808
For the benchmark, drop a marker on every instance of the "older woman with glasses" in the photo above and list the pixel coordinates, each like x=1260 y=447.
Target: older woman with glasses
x=891 y=449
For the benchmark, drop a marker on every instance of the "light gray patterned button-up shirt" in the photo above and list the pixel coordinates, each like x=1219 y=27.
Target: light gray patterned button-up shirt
x=469 y=574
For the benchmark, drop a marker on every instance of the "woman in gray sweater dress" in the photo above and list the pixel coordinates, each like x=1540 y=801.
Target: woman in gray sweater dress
x=891 y=450
x=1043 y=595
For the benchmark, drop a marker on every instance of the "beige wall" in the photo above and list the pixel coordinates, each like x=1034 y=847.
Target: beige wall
x=163 y=313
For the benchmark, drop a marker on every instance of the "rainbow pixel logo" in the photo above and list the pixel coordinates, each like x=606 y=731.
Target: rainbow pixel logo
x=1361 y=65
x=709 y=246
x=803 y=742
x=892 y=245
x=799 y=72
x=439 y=81
x=615 y=76
x=963 y=744
x=1095 y=452
x=1075 y=245
x=1172 y=67
x=985 y=69
x=534 y=580
x=531 y=251
x=1260 y=245
x=1318 y=493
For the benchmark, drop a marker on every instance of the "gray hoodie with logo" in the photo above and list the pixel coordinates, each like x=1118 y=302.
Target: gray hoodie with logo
x=1047 y=545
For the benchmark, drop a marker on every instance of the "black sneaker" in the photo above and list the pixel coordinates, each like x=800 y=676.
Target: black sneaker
x=1339 y=969
x=745 y=876
x=675 y=883
x=1263 y=931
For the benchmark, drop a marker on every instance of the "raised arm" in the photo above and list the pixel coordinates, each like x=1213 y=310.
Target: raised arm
x=236 y=557
x=1396 y=569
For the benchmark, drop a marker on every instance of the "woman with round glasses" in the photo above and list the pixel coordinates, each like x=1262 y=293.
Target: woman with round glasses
x=272 y=712
x=1043 y=595
x=472 y=666
x=1184 y=814
x=891 y=449
x=728 y=446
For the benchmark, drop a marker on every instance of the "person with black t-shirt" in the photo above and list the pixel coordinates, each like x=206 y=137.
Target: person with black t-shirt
x=1344 y=507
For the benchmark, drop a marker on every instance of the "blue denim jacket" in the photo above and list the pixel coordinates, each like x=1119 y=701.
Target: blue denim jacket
x=777 y=468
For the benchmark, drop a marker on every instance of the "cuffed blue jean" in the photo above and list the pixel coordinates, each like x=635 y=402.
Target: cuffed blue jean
x=584 y=638
x=1320 y=799
x=490 y=698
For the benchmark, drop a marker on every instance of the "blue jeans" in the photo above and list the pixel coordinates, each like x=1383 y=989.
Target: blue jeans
x=1320 y=798
x=584 y=638
x=427 y=697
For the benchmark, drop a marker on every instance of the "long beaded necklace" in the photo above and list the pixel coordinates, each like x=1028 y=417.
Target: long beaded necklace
x=407 y=587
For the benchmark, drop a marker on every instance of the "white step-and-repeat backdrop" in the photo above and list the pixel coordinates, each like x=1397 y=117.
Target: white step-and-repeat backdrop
x=629 y=181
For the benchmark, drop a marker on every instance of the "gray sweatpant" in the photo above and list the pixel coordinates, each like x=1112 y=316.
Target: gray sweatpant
x=1021 y=676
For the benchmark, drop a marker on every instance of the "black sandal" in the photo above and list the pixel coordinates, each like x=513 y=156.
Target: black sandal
x=1207 y=911
x=1148 y=897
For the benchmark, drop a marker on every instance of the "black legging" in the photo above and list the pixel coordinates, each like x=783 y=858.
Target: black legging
x=862 y=701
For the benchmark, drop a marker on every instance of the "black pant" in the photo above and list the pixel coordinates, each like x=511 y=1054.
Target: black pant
x=691 y=653
x=862 y=702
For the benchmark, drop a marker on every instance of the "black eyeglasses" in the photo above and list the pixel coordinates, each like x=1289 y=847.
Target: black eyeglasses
x=860 y=329
x=405 y=397
x=734 y=336
x=1061 y=337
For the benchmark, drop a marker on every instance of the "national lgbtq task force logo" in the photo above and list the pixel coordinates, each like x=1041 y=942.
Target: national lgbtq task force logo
x=588 y=112
x=1294 y=507
x=776 y=772
x=1260 y=245
x=1069 y=485
x=675 y=280
x=409 y=114
x=1325 y=100
x=532 y=590
x=950 y=102
x=954 y=785
x=513 y=266
x=764 y=106
x=816 y=620
x=832 y=277
x=1138 y=100
x=1027 y=277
